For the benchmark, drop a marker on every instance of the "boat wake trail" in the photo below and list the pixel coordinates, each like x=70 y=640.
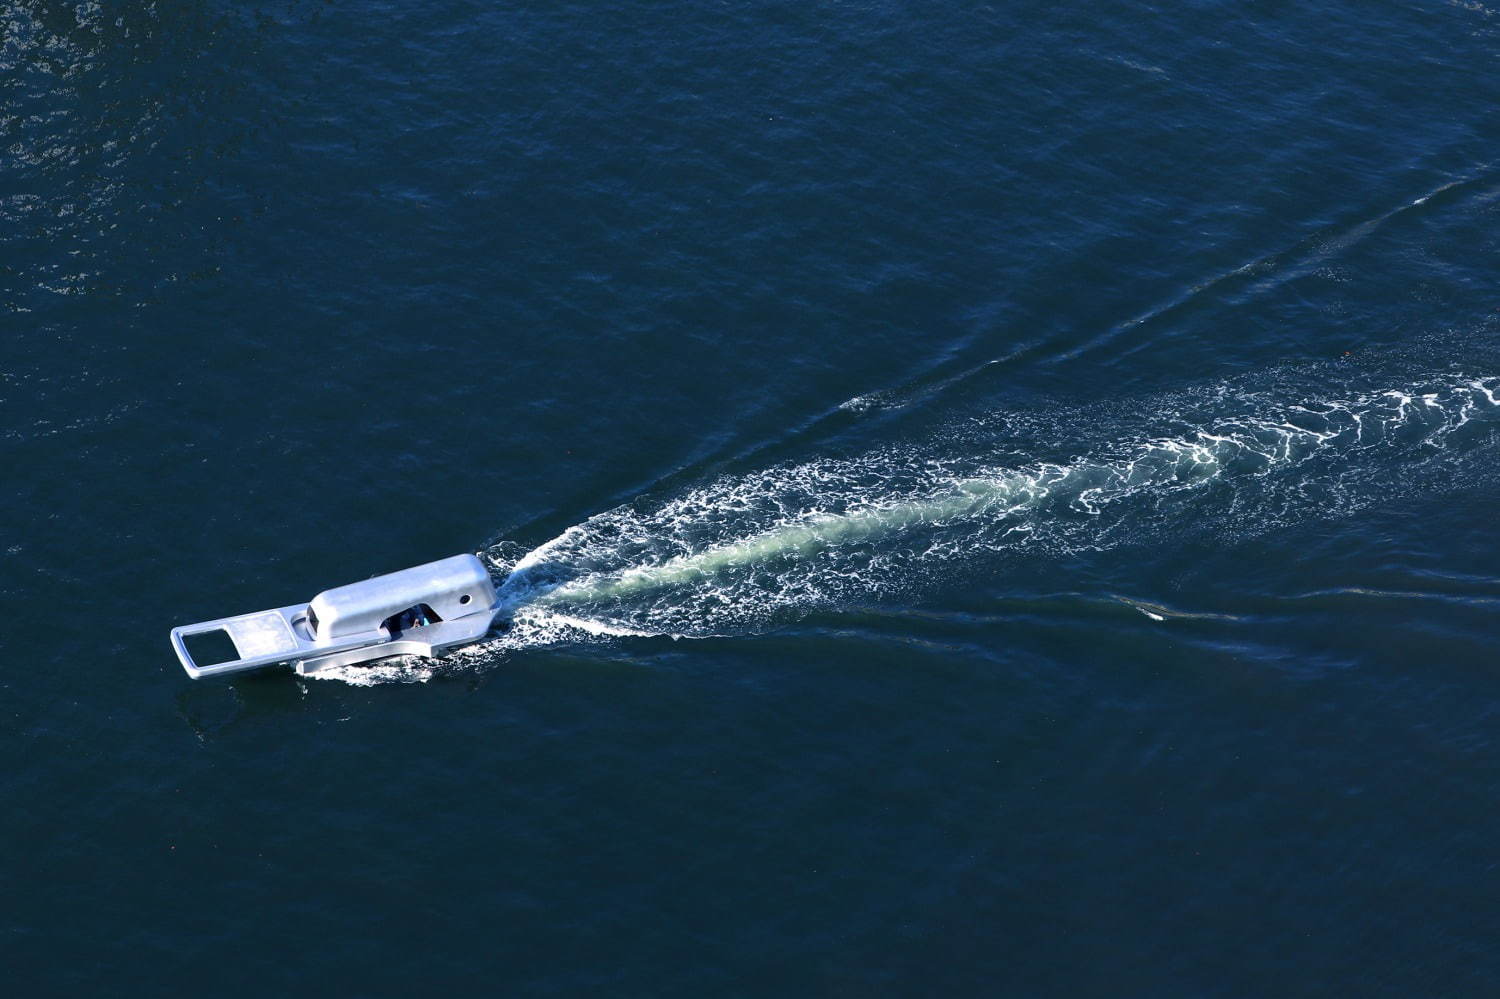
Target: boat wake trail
x=746 y=553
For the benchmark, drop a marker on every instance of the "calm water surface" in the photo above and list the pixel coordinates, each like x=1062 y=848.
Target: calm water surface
x=991 y=498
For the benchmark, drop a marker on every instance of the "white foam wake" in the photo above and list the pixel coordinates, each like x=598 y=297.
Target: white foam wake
x=735 y=552
x=743 y=553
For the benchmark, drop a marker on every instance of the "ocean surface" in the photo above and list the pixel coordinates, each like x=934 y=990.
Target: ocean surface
x=989 y=498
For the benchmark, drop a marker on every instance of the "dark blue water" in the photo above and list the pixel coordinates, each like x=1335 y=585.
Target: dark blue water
x=990 y=498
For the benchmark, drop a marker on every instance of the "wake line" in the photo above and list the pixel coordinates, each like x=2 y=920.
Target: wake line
x=1297 y=261
x=722 y=556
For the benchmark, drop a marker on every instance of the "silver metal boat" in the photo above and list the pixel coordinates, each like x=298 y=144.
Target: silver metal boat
x=418 y=611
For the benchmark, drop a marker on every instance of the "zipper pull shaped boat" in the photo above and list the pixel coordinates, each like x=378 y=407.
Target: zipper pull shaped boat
x=420 y=611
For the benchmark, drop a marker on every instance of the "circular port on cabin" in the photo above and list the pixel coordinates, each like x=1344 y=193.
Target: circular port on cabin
x=464 y=599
